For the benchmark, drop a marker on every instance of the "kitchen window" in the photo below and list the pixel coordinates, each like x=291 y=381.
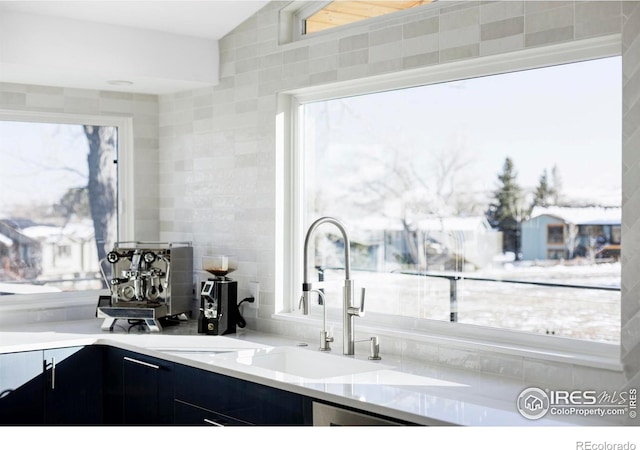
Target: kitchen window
x=438 y=183
x=59 y=201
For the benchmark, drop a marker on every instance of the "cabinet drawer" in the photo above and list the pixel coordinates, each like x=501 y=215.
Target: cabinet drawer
x=239 y=399
x=188 y=414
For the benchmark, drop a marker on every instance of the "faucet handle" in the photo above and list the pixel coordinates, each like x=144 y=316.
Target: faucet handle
x=304 y=303
x=358 y=311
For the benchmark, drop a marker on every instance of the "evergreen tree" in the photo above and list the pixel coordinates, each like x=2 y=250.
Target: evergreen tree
x=544 y=192
x=506 y=210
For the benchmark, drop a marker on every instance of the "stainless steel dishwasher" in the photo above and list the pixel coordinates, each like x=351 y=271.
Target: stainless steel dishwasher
x=327 y=415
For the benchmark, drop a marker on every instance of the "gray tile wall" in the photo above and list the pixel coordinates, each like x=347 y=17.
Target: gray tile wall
x=217 y=146
x=143 y=109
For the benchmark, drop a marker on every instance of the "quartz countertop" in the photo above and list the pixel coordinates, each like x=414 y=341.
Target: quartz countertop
x=402 y=388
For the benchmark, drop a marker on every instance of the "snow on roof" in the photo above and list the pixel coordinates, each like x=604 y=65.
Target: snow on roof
x=75 y=230
x=470 y=223
x=5 y=240
x=592 y=215
x=41 y=231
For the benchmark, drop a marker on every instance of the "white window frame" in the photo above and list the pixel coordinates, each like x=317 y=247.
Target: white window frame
x=290 y=223
x=125 y=192
x=301 y=15
x=291 y=19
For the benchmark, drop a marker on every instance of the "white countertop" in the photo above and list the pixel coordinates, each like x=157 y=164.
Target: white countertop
x=401 y=388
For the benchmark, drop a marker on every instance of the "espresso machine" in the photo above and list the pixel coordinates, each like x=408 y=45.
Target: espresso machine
x=149 y=281
x=218 y=297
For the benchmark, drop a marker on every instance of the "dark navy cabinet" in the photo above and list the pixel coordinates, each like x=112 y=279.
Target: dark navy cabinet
x=138 y=388
x=57 y=386
x=21 y=388
x=203 y=397
x=97 y=385
x=73 y=386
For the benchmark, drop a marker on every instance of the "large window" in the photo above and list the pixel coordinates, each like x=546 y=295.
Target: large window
x=58 y=205
x=487 y=201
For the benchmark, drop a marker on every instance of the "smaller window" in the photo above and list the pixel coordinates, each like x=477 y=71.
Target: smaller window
x=64 y=251
x=339 y=13
x=616 y=234
x=555 y=234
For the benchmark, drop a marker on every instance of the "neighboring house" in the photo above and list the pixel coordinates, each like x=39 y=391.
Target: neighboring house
x=566 y=232
x=438 y=243
x=67 y=252
x=31 y=251
x=19 y=254
x=471 y=239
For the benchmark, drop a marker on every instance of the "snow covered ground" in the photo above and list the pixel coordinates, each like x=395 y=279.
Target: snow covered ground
x=570 y=312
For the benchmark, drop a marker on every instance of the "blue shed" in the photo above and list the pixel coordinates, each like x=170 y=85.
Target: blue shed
x=566 y=232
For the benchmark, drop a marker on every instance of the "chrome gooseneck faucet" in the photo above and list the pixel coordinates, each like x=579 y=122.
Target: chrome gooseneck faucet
x=348 y=309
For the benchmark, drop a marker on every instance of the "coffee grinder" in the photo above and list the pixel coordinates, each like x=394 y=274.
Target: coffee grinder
x=218 y=297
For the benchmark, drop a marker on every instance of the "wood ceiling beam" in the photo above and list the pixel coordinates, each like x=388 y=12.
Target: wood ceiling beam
x=340 y=13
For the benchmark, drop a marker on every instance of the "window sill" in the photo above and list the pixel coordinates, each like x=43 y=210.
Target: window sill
x=49 y=307
x=553 y=349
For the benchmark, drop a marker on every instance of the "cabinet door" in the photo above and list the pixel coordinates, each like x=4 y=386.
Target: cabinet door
x=21 y=388
x=73 y=386
x=138 y=389
x=112 y=386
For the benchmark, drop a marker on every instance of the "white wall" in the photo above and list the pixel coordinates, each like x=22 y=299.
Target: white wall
x=37 y=47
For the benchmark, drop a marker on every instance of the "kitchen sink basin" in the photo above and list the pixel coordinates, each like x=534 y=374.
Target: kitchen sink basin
x=201 y=355
x=301 y=362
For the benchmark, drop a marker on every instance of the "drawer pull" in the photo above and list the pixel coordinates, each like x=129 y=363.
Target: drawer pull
x=52 y=365
x=211 y=422
x=53 y=373
x=142 y=363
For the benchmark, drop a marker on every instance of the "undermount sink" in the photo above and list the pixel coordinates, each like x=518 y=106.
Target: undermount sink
x=200 y=355
x=301 y=362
